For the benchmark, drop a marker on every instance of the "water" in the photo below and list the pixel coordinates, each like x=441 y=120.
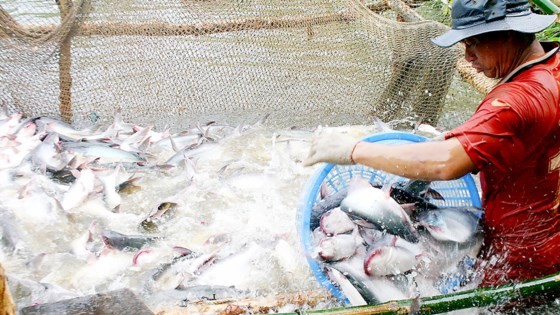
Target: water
x=245 y=191
x=238 y=202
x=236 y=206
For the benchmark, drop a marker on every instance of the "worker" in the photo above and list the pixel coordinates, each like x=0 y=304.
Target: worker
x=512 y=140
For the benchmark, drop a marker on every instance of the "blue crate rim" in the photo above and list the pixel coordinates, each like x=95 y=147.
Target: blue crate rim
x=311 y=191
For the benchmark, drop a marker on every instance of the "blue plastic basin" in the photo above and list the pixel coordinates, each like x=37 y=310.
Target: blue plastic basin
x=456 y=193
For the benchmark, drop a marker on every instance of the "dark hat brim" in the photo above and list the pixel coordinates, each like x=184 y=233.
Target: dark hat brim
x=529 y=23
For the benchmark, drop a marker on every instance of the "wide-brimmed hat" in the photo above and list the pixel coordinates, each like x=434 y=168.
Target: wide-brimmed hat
x=474 y=17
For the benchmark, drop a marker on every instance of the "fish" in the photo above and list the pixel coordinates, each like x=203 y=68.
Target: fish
x=12 y=234
x=49 y=156
x=193 y=151
x=64 y=176
x=373 y=289
x=375 y=206
x=336 y=221
x=417 y=192
x=177 y=142
x=29 y=292
x=67 y=132
x=79 y=190
x=10 y=124
x=169 y=275
x=454 y=224
x=108 y=179
x=103 y=153
x=389 y=260
x=340 y=246
x=395 y=246
x=354 y=296
x=329 y=202
x=120 y=241
x=128 y=186
x=157 y=215
x=83 y=246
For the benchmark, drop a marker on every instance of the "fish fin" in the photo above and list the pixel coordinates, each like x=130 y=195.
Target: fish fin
x=145 y=144
x=394 y=240
x=165 y=167
x=323 y=191
x=181 y=251
x=138 y=254
x=388 y=188
x=364 y=223
x=434 y=194
x=93 y=230
x=76 y=173
x=356 y=183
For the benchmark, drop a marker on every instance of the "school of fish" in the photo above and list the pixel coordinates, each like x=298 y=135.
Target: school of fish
x=166 y=214
x=171 y=214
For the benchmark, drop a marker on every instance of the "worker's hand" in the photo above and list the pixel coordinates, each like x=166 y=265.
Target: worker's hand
x=331 y=146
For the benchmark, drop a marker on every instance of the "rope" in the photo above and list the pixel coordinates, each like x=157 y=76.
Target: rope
x=69 y=25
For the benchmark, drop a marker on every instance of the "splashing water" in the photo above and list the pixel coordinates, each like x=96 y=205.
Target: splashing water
x=235 y=208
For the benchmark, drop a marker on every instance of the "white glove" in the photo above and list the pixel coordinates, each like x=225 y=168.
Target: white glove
x=331 y=146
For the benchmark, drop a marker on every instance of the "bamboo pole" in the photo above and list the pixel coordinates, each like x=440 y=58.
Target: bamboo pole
x=7 y=306
x=547 y=6
x=259 y=304
x=481 y=297
x=65 y=66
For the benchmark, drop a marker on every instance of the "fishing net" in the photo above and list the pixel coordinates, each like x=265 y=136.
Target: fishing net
x=181 y=62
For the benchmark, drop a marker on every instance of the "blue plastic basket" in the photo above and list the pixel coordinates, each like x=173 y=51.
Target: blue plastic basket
x=456 y=193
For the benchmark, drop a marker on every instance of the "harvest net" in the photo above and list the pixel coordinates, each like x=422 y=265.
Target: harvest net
x=177 y=63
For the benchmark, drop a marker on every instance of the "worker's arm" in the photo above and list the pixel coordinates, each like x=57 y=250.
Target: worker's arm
x=431 y=160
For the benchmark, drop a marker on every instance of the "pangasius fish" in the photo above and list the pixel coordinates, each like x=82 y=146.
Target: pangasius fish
x=329 y=202
x=419 y=247
x=415 y=192
x=336 y=221
x=456 y=224
x=103 y=154
x=158 y=215
x=377 y=207
x=340 y=246
x=374 y=289
x=389 y=260
x=122 y=241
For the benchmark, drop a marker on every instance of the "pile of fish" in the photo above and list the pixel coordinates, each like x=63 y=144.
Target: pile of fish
x=167 y=215
x=381 y=243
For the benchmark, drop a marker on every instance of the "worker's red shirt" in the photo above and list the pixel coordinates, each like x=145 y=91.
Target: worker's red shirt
x=514 y=140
